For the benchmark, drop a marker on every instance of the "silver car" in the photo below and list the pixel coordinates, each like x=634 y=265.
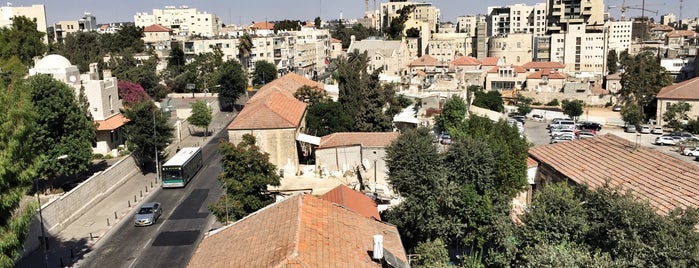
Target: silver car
x=148 y=214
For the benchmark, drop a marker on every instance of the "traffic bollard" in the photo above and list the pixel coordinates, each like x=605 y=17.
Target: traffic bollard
x=151 y=185
x=92 y=238
x=146 y=189
x=115 y=216
x=129 y=203
x=107 y=221
x=134 y=198
x=141 y=193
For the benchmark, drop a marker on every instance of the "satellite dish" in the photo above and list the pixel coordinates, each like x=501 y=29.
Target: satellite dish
x=72 y=78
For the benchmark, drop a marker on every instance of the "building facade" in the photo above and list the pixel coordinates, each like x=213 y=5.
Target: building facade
x=182 y=20
x=37 y=12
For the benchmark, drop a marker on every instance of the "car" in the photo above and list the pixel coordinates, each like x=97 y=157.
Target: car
x=657 y=130
x=519 y=118
x=148 y=214
x=555 y=121
x=562 y=138
x=691 y=151
x=538 y=117
x=590 y=125
x=558 y=132
x=682 y=135
x=665 y=140
x=446 y=139
x=645 y=129
x=583 y=134
x=616 y=108
x=630 y=129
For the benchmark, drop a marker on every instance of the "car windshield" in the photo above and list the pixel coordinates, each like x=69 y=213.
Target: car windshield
x=146 y=211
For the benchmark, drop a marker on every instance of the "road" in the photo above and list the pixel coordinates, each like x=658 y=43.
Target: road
x=172 y=240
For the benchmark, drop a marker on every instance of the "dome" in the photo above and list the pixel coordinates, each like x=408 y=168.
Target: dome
x=53 y=61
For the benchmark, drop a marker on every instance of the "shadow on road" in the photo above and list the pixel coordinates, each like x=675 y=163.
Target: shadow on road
x=61 y=253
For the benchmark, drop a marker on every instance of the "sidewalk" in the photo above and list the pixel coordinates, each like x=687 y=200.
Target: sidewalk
x=68 y=247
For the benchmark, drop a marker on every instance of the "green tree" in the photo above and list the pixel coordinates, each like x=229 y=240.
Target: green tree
x=147 y=131
x=11 y=69
x=524 y=105
x=565 y=255
x=81 y=49
x=492 y=100
x=233 y=82
x=359 y=31
x=246 y=175
x=201 y=115
x=64 y=128
x=412 y=32
x=18 y=169
x=453 y=113
x=676 y=115
x=287 y=25
x=176 y=61
x=22 y=40
x=311 y=95
x=432 y=253
x=612 y=61
x=265 y=72
x=317 y=23
x=397 y=24
x=126 y=67
x=127 y=39
x=631 y=114
x=573 y=109
x=327 y=117
x=245 y=47
x=641 y=81
x=559 y=216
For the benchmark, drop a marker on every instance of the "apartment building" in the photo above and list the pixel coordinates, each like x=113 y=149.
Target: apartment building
x=391 y=55
x=425 y=12
x=562 y=14
x=519 y=18
x=580 y=51
x=61 y=29
x=618 y=35
x=182 y=20
x=467 y=23
x=37 y=12
x=449 y=46
x=514 y=48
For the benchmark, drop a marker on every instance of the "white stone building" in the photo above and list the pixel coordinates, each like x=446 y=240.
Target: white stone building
x=580 y=51
x=425 y=12
x=37 y=12
x=182 y=20
x=391 y=55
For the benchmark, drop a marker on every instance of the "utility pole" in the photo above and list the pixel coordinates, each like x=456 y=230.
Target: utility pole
x=155 y=146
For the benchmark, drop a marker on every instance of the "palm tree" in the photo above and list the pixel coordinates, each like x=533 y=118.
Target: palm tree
x=244 y=49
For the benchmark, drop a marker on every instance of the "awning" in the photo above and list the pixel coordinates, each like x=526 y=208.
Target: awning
x=407 y=116
x=308 y=139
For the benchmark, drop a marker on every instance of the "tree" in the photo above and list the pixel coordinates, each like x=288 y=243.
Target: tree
x=22 y=39
x=573 y=108
x=612 y=61
x=287 y=25
x=559 y=216
x=201 y=115
x=233 y=82
x=524 y=105
x=676 y=115
x=453 y=113
x=11 y=69
x=631 y=114
x=18 y=169
x=245 y=46
x=81 y=49
x=64 y=128
x=397 y=24
x=131 y=93
x=642 y=80
x=147 y=131
x=492 y=100
x=432 y=253
x=317 y=23
x=311 y=95
x=126 y=67
x=265 y=72
x=128 y=38
x=327 y=117
x=359 y=31
x=412 y=32
x=176 y=61
x=246 y=175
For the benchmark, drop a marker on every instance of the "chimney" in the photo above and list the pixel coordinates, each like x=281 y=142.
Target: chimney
x=378 y=247
x=106 y=74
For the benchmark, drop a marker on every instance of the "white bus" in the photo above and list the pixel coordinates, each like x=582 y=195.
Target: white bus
x=182 y=167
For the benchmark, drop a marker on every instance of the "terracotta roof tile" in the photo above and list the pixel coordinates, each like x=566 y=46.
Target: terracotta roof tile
x=681 y=33
x=365 y=139
x=551 y=74
x=263 y=25
x=335 y=40
x=531 y=162
x=353 y=200
x=156 y=28
x=544 y=65
x=518 y=69
x=490 y=61
x=112 y=123
x=685 y=90
x=466 y=61
x=301 y=231
x=269 y=111
x=425 y=60
x=664 y=181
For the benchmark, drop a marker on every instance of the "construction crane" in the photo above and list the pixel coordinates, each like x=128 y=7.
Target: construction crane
x=642 y=7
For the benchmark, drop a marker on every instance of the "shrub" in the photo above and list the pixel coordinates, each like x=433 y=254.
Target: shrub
x=554 y=102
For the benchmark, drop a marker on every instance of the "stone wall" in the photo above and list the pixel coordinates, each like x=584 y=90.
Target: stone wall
x=588 y=99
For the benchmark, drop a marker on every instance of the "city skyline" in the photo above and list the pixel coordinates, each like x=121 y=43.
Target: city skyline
x=244 y=12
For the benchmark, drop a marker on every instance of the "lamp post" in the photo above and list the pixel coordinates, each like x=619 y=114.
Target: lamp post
x=155 y=136
x=44 y=240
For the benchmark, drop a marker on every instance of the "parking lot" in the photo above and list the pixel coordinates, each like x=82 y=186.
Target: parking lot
x=537 y=134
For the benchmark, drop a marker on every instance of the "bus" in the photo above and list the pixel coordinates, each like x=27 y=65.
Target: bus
x=182 y=167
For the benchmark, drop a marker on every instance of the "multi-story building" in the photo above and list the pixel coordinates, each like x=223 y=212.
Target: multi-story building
x=182 y=20
x=580 y=51
x=37 y=12
x=518 y=18
x=449 y=46
x=467 y=23
x=563 y=14
x=62 y=28
x=618 y=35
x=391 y=55
x=425 y=12
x=515 y=48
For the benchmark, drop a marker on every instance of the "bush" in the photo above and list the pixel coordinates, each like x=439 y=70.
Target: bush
x=536 y=103
x=97 y=156
x=554 y=102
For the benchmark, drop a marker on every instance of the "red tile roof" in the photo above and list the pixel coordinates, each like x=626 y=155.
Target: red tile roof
x=551 y=74
x=544 y=65
x=531 y=162
x=466 y=61
x=425 y=60
x=156 y=28
x=112 y=123
x=681 y=33
x=335 y=40
x=365 y=139
x=490 y=61
x=270 y=111
x=353 y=200
x=288 y=84
x=685 y=90
x=664 y=181
x=518 y=69
x=662 y=27
x=263 y=25
x=301 y=231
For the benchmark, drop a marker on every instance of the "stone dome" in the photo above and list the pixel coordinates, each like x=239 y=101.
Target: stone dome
x=52 y=62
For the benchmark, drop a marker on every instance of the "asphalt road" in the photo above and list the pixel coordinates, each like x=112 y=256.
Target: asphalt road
x=172 y=240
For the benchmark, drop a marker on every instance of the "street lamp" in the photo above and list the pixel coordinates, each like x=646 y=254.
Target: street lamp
x=44 y=240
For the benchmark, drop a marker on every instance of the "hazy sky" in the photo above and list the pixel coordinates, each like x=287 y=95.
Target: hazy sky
x=237 y=11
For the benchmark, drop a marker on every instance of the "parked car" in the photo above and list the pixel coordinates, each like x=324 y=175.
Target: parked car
x=519 y=118
x=148 y=214
x=538 y=117
x=562 y=138
x=616 y=108
x=563 y=124
x=682 y=135
x=446 y=139
x=657 y=130
x=558 y=132
x=645 y=129
x=665 y=140
x=583 y=134
x=555 y=121
x=630 y=129
x=691 y=151
x=590 y=125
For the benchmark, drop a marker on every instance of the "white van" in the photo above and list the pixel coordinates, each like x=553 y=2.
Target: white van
x=563 y=124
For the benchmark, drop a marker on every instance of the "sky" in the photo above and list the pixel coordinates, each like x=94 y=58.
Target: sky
x=238 y=11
